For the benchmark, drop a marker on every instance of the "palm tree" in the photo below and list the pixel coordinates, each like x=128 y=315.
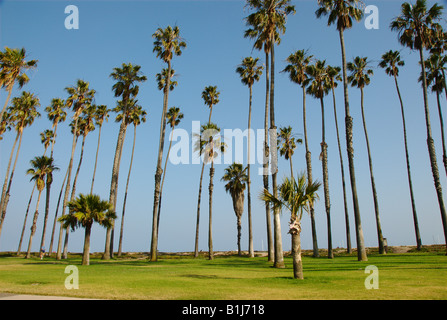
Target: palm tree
x=83 y=212
x=236 y=178
x=210 y=96
x=342 y=13
x=319 y=87
x=296 y=196
x=167 y=43
x=137 y=116
x=334 y=76
x=41 y=167
x=435 y=71
x=101 y=114
x=415 y=26
x=359 y=78
x=391 y=62
x=267 y=23
x=287 y=148
x=47 y=138
x=56 y=114
x=80 y=96
x=298 y=62
x=209 y=144
x=126 y=86
x=12 y=69
x=173 y=117
x=4 y=124
x=249 y=71
x=23 y=112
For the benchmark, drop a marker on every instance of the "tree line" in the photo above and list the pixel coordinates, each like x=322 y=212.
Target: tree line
x=418 y=28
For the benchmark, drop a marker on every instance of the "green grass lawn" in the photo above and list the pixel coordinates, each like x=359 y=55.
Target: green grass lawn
x=421 y=275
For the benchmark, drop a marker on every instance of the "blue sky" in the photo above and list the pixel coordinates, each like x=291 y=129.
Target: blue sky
x=114 y=32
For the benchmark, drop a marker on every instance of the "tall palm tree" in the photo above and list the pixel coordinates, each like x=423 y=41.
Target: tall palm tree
x=4 y=124
x=435 y=70
x=167 y=43
x=83 y=212
x=23 y=112
x=101 y=115
x=415 y=26
x=334 y=76
x=210 y=96
x=268 y=22
x=56 y=114
x=12 y=69
x=136 y=117
x=249 y=71
x=80 y=96
x=41 y=167
x=237 y=179
x=297 y=64
x=296 y=195
x=359 y=77
x=126 y=86
x=173 y=117
x=209 y=144
x=319 y=87
x=391 y=61
x=342 y=13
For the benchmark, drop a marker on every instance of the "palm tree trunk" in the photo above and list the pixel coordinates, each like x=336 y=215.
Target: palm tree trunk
x=24 y=221
x=239 y=228
x=345 y=202
x=361 y=251
x=6 y=102
x=196 y=248
x=6 y=199
x=279 y=257
x=33 y=227
x=47 y=207
x=270 y=247
x=410 y=184
x=251 y=252
x=8 y=169
x=120 y=245
x=55 y=215
x=296 y=256
x=108 y=250
x=86 y=252
x=441 y=121
x=431 y=149
x=309 y=178
x=67 y=190
x=210 y=229
x=373 y=185
x=327 y=201
x=159 y=171
x=96 y=159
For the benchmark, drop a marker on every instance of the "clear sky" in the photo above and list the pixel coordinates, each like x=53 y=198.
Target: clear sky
x=114 y=32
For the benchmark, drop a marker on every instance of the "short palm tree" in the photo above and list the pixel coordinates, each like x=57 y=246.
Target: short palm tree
x=167 y=44
x=295 y=195
x=334 y=76
x=41 y=167
x=319 y=87
x=83 y=212
x=23 y=112
x=359 y=78
x=173 y=117
x=236 y=180
x=210 y=97
x=12 y=69
x=136 y=117
x=127 y=77
x=415 y=26
x=391 y=61
x=249 y=71
x=297 y=64
x=342 y=13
